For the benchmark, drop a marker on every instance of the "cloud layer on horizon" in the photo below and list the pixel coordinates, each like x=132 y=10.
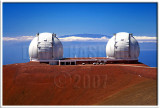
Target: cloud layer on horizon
x=140 y=39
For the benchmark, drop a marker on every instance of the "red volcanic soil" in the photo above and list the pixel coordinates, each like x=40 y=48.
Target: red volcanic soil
x=110 y=84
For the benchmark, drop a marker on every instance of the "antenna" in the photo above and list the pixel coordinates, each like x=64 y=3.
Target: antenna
x=53 y=34
x=130 y=34
x=37 y=34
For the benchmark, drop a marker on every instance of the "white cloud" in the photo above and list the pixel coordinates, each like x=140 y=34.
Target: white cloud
x=140 y=39
x=65 y=39
x=19 y=38
x=145 y=37
x=75 y=38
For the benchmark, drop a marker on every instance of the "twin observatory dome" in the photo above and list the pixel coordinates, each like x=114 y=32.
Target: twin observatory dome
x=47 y=47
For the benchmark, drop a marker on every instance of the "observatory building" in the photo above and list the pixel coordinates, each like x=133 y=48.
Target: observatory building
x=45 y=47
x=123 y=46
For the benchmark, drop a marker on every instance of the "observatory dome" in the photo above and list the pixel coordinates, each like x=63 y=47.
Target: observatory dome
x=123 y=46
x=45 y=46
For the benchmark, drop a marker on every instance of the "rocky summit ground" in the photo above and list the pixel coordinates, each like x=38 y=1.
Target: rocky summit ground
x=110 y=84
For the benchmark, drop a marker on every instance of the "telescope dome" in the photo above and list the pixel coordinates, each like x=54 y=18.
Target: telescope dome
x=45 y=46
x=123 y=46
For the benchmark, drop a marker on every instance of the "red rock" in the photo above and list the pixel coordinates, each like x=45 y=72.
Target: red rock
x=43 y=84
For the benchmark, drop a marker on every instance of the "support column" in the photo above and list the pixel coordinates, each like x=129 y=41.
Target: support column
x=59 y=62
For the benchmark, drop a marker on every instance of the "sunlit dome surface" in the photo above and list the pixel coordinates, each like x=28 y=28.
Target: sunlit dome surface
x=45 y=46
x=123 y=46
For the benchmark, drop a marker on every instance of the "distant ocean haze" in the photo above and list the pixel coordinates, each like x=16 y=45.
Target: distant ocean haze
x=17 y=52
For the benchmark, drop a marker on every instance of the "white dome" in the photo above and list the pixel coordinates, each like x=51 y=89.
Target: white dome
x=45 y=46
x=122 y=46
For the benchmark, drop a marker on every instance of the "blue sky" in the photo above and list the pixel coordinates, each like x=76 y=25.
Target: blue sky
x=25 y=19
